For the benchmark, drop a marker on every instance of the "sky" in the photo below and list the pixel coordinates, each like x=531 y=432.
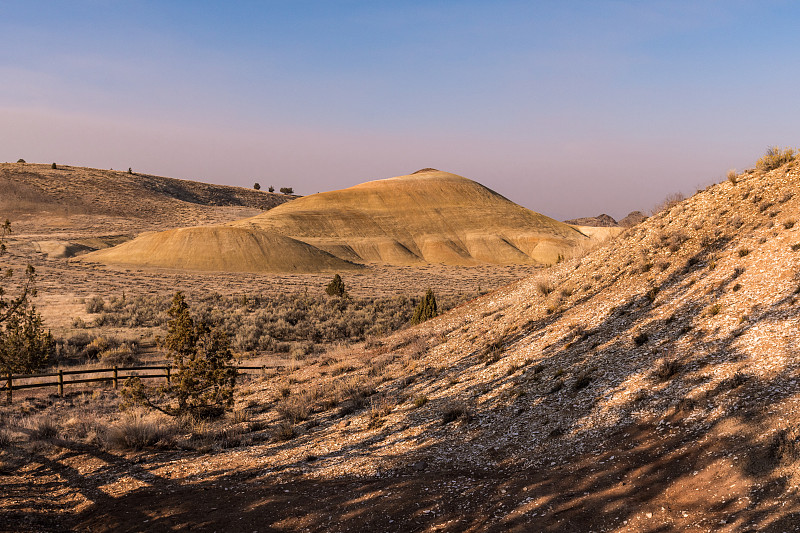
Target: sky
x=570 y=108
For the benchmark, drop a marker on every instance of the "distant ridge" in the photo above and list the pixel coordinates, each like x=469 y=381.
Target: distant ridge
x=39 y=190
x=600 y=221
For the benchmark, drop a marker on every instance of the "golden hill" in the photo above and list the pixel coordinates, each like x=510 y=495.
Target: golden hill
x=221 y=248
x=426 y=217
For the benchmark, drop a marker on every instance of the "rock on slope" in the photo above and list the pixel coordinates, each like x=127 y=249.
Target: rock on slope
x=429 y=216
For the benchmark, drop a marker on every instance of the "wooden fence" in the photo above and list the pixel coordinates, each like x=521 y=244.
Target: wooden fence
x=116 y=374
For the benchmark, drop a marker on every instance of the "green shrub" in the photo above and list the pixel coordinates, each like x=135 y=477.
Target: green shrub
x=336 y=287
x=426 y=309
x=20 y=160
x=257 y=186
x=24 y=343
x=287 y=190
x=53 y=166
x=271 y=189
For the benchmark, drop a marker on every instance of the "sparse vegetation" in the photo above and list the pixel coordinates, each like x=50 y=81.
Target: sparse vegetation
x=775 y=157
x=287 y=190
x=667 y=369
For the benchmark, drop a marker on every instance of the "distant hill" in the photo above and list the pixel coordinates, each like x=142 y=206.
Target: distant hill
x=600 y=221
x=151 y=202
x=429 y=216
x=633 y=218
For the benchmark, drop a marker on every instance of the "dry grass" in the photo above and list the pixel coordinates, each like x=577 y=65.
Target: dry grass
x=139 y=431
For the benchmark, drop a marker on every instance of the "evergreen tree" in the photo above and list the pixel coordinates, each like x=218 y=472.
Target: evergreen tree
x=426 y=309
x=204 y=382
x=25 y=346
x=336 y=287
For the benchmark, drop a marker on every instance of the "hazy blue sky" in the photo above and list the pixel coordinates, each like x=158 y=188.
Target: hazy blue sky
x=570 y=108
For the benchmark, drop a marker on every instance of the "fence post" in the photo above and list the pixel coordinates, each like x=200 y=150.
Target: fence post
x=166 y=374
x=60 y=382
x=116 y=377
x=10 y=384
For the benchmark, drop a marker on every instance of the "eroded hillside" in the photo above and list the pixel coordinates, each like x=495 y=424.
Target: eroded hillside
x=429 y=217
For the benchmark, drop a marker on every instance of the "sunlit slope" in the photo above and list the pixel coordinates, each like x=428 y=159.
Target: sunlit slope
x=220 y=248
x=429 y=216
x=40 y=190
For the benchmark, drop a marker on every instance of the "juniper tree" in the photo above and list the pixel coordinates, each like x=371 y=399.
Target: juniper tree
x=336 y=287
x=204 y=381
x=24 y=343
x=426 y=309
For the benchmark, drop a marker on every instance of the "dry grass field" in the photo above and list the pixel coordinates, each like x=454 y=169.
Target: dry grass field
x=648 y=386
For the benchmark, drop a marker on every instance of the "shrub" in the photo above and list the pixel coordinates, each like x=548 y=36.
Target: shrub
x=287 y=190
x=454 y=412
x=257 y=186
x=137 y=432
x=336 y=287
x=582 y=381
x=789 y=224
x=784 y=447
x=668 y=202
x=667 y=369
x=419 y=401
x=284 y=431
x=95 y=304
x=743 y=252
x=732 y=176
x=640 y=339
x=20 y=160
x=130 y=171
x=775 y=157
x=42 y=427
x=271 y=189
x=426 y=309
x=53 y=166
x=544 y=287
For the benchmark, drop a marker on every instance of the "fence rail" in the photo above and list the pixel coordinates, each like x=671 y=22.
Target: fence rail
x=117 y=374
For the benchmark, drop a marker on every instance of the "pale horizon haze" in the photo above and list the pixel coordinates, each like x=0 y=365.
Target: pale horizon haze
x=571 y=109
